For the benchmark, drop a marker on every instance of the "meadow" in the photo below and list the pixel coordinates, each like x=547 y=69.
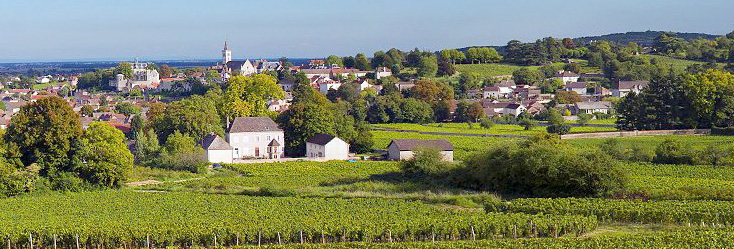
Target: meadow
x=500 y=129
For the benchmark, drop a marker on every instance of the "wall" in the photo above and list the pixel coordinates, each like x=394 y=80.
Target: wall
x=247 y=146
x=219 y=156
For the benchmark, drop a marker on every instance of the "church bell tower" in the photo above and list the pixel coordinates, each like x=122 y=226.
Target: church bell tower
x=226 y=54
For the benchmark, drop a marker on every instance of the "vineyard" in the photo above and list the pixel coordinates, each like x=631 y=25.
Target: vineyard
x=501 y=129
x=703 y=213
x=112 y=219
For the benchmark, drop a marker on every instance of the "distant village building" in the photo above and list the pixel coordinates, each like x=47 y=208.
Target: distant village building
x=578 y=87
x=142 y=78
x=230 y=68
x=328 y=147
x=622 y=88
x=592 y=107
x=567 y=76
x=404 y=149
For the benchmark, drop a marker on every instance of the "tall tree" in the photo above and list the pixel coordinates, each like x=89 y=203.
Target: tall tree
x=102 y=157
x=194 y=116
x=334 y=60
x=44 y=132
x=124 y=68
x=247 y=96
x=428 y=66
x=361 y=62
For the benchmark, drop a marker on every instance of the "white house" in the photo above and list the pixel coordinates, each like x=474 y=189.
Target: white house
x=506 y=87
x=622 y=88
x=567 y=76
x=256 y=137
x=363 y=84
x=403 y=149
x=492 y=92
x=327 y=147
x=382 y=72
x=578 y=87
x=593 y=107
x=328 y=84
x=503 y=108
x=217 y=150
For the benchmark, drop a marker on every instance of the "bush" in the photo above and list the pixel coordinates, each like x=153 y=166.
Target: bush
x=717 y=155
x=560 y=129
x=181 y=153
x=584 y=119
x=673 y=152
x=613 y=148
x=544 y=167
x=426 y=163
x=486 y=123
x=527 y=123
x=640 y=154
x=727 y=131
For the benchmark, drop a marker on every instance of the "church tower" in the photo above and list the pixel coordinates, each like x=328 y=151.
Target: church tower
x=226 y=53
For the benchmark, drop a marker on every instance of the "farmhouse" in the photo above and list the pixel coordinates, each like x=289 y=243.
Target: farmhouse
x=329 y=147
x=592 y=107
x=622 y=88
x=578 y=87
x=217 y=150
x=403 y=149
x=256 y=137
x=567 y=76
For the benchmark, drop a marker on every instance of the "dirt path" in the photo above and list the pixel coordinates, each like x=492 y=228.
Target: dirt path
x=155 y=182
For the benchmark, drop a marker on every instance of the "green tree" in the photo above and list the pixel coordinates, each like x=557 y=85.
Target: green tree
x=87 y=111
x=302 y=121
x=556 y=123
x=247 y=96
x=102 y=157
x=415 y=111
x=334 y=60
x=166 y=71
x=712 y=97
x=194 y=116
x=146 y=147
x=566 y=97
x=475 y=112
x=428 y=66
x=453 y=55
x=127 y=108
x=527 y=76
x=361 y=62
x=584 y=119
x=44 y=132
x=180 y=152
x=527 y=123
x=363 y=142
x=124 y=68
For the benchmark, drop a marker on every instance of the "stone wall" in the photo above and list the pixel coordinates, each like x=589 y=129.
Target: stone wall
x=638 y=133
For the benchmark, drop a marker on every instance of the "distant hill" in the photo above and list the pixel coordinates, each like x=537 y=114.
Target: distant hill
x=642 y=38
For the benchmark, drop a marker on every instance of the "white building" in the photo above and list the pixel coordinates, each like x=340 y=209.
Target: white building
x=217 y=150
x=229 y=67
x=142 y=77
x=382 y=72
x=328 y=147
x=567 y=76
x=622 y=88
x=593 y=107
x=328 y=84
x=578 y=87
x=256 y=137
x=403 y=149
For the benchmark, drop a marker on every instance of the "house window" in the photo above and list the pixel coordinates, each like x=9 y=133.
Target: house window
x=257 y=138
x=268 y=138
x=257 y=151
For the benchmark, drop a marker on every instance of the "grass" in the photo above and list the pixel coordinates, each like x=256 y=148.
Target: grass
x=501 y=129
x=677 y=64
x=651 y=142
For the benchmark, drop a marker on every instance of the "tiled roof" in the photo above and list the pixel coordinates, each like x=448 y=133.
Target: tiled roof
x=215 y=142
x=321 y=139
x=253 y=124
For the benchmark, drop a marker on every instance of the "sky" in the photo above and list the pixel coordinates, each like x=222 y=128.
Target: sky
x=64 y=30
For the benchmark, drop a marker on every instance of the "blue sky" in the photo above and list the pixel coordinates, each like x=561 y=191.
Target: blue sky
x=52 y=30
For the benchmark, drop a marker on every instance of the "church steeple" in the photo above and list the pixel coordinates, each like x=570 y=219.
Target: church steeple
x=226 y=53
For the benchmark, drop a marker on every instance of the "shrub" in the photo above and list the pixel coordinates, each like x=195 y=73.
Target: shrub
x=584 y=119
x=728 y=131
x=640 y=154
x=717 y=155
x=613 y=148
x=486 y=123
x=544 y=167
x=673 y=152
x=181 y=153
x=527 y=123
x=426 y=163
x=560 y=129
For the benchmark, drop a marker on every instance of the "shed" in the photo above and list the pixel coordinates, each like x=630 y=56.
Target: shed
x=403 y=149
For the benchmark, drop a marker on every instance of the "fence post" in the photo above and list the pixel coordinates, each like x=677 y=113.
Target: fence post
x=278 y=238
x=30 y=238
x=147 y=241
x=259 y=238
x=473 y=235
x=215 y=240
x=54 y=241
x=237 y=242
x=389 y=236
x=300 y=232
x=77 y=241
x=323 y=240
x=433 y=236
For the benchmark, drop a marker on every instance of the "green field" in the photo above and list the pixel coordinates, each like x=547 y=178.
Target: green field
x=677 y=64
x=501 y=129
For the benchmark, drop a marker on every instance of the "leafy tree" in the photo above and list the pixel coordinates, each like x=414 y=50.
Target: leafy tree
x=194 y=116
x=361 y=62
x=470 y=81
x=431 y=91
x=566 y=97
x=527 y=76
x=426 y=162
x=87 y=111
x=124 y=68
x=349 y=62
x=550 y=85
x=301 y=122
x=44 y=132
x=445 y=68
x=453 y=55
x=428 y=66
x=556 y=123
x=363 y=142
x=166 y=71
x=334 y=60
x=127 y=108
x=415 y=111
x=527 y=123
x=475 y=112
x=486 y=123
x=348 y=92
x=102 y=157
x=672 y=151
x=712 y=97
x=180 y=152
x=247 y=96
x=146 y=147
x=584 y=119
x=137 y=124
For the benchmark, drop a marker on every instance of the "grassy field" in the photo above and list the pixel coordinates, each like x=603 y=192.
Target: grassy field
x=503 y=129
x=677 y=64
x=651 y=142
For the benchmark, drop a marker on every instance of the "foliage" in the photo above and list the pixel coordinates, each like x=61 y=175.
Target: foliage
x=301 y=122
x=527 y=76
x=248 y=96
x=566 y=97
x=180 y=152
x=428 y=66
x=146 y=147
x=712 y=97
x=584 y=119
x=44 y=132
x=527 y=123
x=103 y=158
x=556 y=123
x=194 y=116
x=673 y=151
x=127 y=108
x=544 y=167
x=426 y=162
x=124 y=68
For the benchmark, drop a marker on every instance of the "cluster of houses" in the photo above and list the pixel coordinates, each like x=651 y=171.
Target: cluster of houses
x=262 y=138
